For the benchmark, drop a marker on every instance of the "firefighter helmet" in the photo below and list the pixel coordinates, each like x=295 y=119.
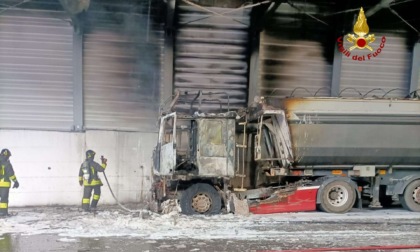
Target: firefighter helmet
x=5 y=152
x=90 y=154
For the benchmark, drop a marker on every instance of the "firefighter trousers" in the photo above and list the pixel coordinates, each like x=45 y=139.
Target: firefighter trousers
x=4 y=200
x=87 y=194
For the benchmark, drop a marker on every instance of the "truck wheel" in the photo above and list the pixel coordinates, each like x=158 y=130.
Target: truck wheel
x=201 y=199
x=410 y=200
x=337 y=197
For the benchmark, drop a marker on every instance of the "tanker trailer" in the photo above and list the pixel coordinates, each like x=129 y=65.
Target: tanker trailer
x=347 y=147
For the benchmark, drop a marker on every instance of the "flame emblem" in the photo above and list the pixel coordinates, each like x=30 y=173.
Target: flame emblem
x=361 y=29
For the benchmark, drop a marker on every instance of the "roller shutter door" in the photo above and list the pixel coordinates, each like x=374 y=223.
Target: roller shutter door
x=211 y=55
x=122 y=71
x=386 y=74
x=292 y=57
x=35 y=70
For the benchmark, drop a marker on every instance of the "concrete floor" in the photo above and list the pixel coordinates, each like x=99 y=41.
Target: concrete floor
x=297 y=232
x=47 y=243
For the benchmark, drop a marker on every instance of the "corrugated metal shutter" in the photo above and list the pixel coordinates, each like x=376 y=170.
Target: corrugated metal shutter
x=35 y=70
x=122 y=71
x=211 y=55
x=389 y=70
x=292 y=57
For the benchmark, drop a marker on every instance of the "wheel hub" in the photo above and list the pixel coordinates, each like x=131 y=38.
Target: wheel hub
x=338 y=196
x=201 y=203
x=333 y=195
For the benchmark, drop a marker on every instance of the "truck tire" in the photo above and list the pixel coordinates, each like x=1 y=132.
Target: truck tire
x=201 y=199
x=337 y=197
x=410 y=199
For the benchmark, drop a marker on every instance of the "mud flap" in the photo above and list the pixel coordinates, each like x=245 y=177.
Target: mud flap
x=237 y=206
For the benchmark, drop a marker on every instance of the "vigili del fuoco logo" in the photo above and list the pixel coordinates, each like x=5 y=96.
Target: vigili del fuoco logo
x=361 y=40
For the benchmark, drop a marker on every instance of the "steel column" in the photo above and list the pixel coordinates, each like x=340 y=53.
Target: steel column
x=168 y=60
x=254 y=69
x=78 y=105
x=336 y=72
x=415 y=69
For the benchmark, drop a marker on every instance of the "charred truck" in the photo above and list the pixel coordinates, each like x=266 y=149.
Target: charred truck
x=293 y=154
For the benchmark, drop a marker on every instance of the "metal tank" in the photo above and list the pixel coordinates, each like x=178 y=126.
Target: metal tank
x=343 y=131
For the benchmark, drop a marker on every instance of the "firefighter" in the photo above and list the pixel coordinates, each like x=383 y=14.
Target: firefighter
x=6 y=176
x=88 y=176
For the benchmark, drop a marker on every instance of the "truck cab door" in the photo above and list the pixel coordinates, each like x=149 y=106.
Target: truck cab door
x=167 y=145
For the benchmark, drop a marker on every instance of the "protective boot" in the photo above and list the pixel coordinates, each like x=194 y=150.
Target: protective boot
x=94 y=203
x=85 y=204
x=3 y=212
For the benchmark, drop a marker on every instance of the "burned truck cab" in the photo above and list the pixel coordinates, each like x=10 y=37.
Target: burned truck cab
x=198 y=145
x=194 y=159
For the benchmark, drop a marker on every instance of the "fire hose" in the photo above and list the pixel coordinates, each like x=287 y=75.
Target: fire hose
x=369 y=248
x=113 y=195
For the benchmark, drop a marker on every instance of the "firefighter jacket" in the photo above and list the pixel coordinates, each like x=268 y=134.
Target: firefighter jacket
x=6 y=173
x=88 y=173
